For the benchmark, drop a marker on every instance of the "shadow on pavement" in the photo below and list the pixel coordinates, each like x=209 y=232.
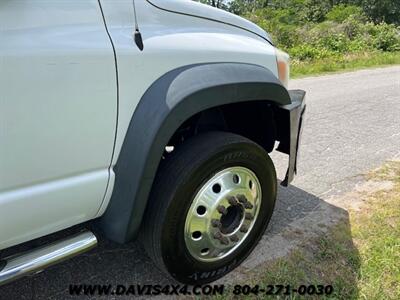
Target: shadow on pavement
x=298 y=217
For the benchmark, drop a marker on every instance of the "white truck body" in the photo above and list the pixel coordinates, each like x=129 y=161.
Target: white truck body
x=60 y=110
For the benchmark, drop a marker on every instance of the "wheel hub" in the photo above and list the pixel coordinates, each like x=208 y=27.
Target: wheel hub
x=222 y=214
x=232 y=219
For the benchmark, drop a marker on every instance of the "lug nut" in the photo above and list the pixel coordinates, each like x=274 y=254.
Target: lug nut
x=222 y=210
x=218 y=235
x=216 y=223
x=232 y=200
x=242 y=198
x=248 y=205
x=234 y=238
x=249 y=216
x=224 y=241
x=244 y=229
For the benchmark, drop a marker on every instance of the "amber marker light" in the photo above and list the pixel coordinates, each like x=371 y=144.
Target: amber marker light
x=283 y=62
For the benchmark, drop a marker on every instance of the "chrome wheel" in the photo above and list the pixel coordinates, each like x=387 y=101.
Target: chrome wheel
x=222 y=214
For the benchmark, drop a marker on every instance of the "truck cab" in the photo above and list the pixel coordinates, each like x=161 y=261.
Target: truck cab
x=151 y=117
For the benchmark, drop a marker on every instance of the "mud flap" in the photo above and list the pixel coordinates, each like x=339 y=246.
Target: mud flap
x=296 y=112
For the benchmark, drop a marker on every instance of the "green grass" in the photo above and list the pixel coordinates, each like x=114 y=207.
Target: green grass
x=331 y=260
x=344 y=63
x=377 y=233
x=359 y=257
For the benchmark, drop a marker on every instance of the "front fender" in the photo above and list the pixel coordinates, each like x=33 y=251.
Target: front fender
x=172 y=99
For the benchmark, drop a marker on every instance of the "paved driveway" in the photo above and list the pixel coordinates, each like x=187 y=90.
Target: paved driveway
x=352 y=126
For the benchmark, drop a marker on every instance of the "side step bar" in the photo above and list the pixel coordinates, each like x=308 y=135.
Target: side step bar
x=36 y=260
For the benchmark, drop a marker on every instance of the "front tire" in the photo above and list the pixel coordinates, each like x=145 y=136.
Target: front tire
x=211 y=202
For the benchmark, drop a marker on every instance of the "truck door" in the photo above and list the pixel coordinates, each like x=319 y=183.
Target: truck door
x=58 y=110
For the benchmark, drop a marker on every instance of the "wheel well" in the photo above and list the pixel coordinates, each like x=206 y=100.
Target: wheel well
x=256 y=120
x=174 y=101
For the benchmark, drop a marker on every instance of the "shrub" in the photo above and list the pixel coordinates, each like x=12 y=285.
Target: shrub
x=352 y=27
x=315 y=10
x=385 y=37
x=345 y=30
x=309 y=52
x=359 y=45
x=382 y=10
x=286 y=36
x=335 y=42
x=340 y=13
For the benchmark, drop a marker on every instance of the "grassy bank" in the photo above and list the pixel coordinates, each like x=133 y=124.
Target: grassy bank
x=359 y=258
x=327 y=36
x=324 y=36
x=349 y=62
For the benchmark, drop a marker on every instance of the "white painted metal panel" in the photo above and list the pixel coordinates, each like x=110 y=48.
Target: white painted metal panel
x=205 y=11
x=34 y=211
x=171 y=40
x=58 y=112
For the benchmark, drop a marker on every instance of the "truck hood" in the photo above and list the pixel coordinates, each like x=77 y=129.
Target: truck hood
x=192 y=8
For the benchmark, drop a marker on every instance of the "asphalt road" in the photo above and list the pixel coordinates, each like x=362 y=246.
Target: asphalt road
x=352 y=126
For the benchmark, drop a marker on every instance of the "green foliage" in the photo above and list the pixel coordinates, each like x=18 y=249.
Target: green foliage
x=315 y=10
x=381 y=10
x=385 y=37
x=340 y=13
x=309 y=29
x=305 y=52
x=312 y=31
x=351 y=61
x=241 y=7
x=215 y=3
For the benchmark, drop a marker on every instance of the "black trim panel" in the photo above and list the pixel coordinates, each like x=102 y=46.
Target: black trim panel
x=296 y=112
x=172 y=99
x=3 y=263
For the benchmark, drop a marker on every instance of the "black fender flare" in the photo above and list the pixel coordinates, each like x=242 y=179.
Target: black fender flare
x=169 y=101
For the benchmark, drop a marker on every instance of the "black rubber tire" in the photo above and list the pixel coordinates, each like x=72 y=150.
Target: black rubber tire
x=179 y=178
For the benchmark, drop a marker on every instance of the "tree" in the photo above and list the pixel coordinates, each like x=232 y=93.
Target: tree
x=240 y=7
x=378 y=10
x=314 y=10
x=215 y=3
x=382 y=10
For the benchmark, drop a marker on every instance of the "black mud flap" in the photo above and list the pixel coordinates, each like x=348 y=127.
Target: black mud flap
x=296 y=112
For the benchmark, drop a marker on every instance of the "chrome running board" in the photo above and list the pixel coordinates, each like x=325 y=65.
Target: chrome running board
x=36 y=260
